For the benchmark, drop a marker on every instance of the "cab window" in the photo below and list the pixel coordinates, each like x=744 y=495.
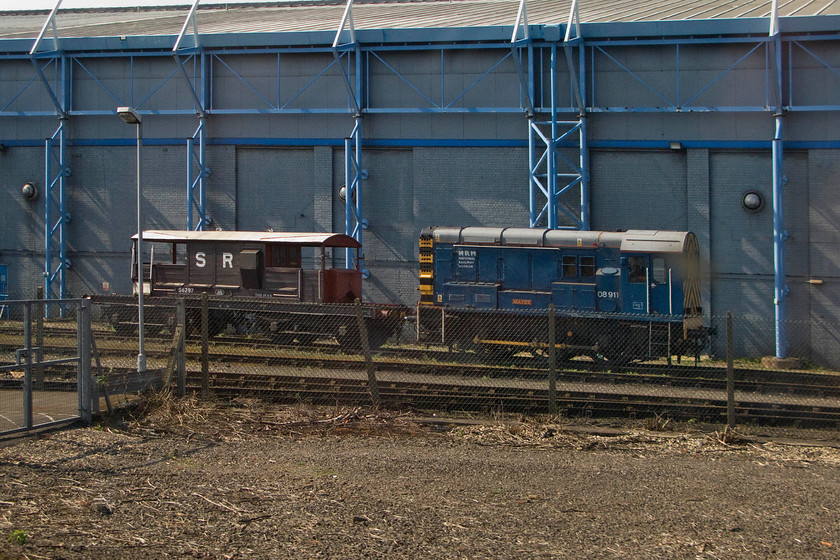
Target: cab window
x=587 y=267
x=636 y=266
x=569 y=266
x=660 y=273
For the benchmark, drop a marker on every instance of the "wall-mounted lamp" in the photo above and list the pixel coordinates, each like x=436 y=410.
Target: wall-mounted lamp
x=30 y=191
x=752 y=201
x=675 y=145
x=342 y=192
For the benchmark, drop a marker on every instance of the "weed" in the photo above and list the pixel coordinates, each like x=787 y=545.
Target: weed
x=657 y=423
x=729 y=436
x=18 y=536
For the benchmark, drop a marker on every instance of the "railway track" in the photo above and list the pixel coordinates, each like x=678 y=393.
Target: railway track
x=441 y=362
x=424 y=391
x=422 y=378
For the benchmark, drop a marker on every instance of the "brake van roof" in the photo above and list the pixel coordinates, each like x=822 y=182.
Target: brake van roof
x=303 y=239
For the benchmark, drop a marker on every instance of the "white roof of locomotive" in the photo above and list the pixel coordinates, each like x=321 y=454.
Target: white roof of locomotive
x=311 y=239
x=649 y=241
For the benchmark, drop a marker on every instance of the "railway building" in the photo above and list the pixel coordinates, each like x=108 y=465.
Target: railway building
x=381 y=118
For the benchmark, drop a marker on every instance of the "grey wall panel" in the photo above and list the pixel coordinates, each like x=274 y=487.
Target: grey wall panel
x=753 y=319
x=388 y=244
x=754 y=326
x=824 y=224
x=22 y=88
x=287 y=127
x=262 y=81
x=702 y=71
x=638 y=190
x=25 y=274
x=824 y=214
x=743 y=242
x=412 y=189
x=21 y=220
x=274 y=189
x=221 y=188
x=471 y=186
x=455 y=78
x=824 y=324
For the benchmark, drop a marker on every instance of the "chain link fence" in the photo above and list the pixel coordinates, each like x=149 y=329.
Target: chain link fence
x=716 y=369
x=721 y=369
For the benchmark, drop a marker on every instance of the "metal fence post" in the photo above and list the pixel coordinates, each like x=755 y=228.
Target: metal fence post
x=730 y=374
x=363 y=335
x=83 y=380
x=180 y=352
x=27 y=368
x=39 y=338
x=205 y=350
x=552 y=361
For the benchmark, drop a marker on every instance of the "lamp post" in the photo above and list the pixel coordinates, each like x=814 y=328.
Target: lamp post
x=130 y=116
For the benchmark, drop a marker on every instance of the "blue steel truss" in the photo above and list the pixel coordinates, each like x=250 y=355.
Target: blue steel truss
x=56 y=216
x=197 y=170
x=197 y=173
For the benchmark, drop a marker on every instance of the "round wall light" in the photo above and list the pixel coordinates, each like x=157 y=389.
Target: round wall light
x=752 y=201
x=30 y=191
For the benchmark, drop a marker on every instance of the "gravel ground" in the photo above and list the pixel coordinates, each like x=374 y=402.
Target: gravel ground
x=246 y=480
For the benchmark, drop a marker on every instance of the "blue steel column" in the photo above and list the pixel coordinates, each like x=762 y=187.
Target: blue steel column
x=780 y=234
x=584 y=146
x=353 y=176
x=552 y=145
x=54 y=227
x=197 y=202
x=532 y=181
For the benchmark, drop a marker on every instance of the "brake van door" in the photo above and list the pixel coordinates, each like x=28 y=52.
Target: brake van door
x=202 y=265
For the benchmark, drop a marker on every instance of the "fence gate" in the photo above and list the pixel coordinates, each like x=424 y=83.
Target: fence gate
x=44 y=364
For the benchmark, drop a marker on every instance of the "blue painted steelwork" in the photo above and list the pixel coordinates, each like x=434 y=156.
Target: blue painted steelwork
x=780 y=234
x=55 y=216
x=339 y=49
x=56 y=262
x=4 y=289
x=196 y=183
x=376 y=52
x=551 y=174
x=353 y=176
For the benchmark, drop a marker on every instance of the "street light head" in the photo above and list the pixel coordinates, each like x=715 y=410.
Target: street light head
x=129 y=115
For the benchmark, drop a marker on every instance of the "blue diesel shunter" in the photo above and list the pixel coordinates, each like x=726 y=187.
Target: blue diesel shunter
x=618 y=295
